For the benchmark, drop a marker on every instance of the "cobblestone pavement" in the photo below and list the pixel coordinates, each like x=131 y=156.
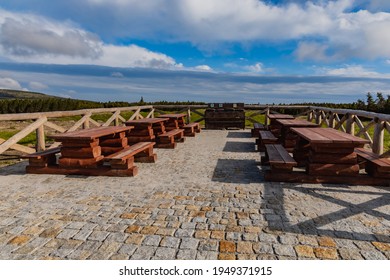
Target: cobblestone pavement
x=206 y=199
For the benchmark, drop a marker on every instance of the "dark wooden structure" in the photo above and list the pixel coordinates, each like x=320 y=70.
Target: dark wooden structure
x=225 y=116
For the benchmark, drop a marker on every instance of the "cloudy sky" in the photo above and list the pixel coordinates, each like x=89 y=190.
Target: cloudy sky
x=271 y=51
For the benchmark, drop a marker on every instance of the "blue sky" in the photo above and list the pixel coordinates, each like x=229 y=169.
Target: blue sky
x=249 y=51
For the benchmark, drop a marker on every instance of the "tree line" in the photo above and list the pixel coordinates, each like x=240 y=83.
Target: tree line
x=378 y=103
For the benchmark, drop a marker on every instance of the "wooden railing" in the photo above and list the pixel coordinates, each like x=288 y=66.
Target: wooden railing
x=40 y=121
x=359 y=123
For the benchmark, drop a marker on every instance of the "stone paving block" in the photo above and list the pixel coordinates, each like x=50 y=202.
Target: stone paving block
x=208 y=245
x=79 y=255
x=244 y=247
x=383 y=247
x=263 y=248
x=127 y=249
x=326 y=253
x=67 y=233
x=90 y=245
x=19 y=240
x=202 y=234
x=164 y=254
x=350 y=254
x=186 y=254
x=34 y=230
x=71 y=244
x=135 y=238
x=118 y=257
x=184 y=232
x=217 y=234
x=227 y=247
x=166 y=231
x=325 y=241
x=98 y=235
x=50 y=232
x=237 y=236
x=225 y=256
x=206 y=255
x=144 y=253
x=284 y=250
x=304 y=251
x=151 y=240
x=117 y=237
x=373 y=255
x=76 y=225
x=189 y=243
x=170 y=242
x=246 y=257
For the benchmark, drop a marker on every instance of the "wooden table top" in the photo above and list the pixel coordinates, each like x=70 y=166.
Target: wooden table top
x=91 y=133
x=146 y=121
x=296 y=123
x=318 y=135
x=172 y=116
x=280 y=116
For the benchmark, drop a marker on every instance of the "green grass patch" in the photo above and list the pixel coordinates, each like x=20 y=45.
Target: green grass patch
x=30 y=139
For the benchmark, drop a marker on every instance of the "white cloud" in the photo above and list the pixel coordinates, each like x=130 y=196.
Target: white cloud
x=257 y=68
x=9 y=83
x=352 y=71
x=29 y=38
x=203 y=68
x=37 y=86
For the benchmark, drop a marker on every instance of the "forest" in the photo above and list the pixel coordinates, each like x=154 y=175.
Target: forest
x=374 y=103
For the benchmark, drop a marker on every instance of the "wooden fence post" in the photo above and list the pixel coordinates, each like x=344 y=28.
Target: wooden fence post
x=350 y=128
x=266 y=121
x=188 y=115
x=378 y=138
x=331 y=119
x=318 y=116
x=41 y=143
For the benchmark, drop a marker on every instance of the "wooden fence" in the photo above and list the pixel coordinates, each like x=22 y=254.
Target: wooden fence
x=359 y=123
x=40 y=121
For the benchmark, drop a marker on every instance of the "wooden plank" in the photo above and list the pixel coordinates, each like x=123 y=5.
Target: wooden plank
x=20 y=148
x=43 y=153
x=273 y=155
x=54 y=126
x=81 y=152
x=332 y=169
x=116 y=142
x=285 y=155
x=311 y=135
x=92 y=133
x=130 y=151
x=100 y=171
x=350 y=158
x=80 y=163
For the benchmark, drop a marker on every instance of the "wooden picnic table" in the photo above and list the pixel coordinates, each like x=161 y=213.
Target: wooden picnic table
x=326 y=151
x=174 y=121
x=274 y=126
x=84 y=152
x=287 y=137
x=145 y=129
x=87 y=148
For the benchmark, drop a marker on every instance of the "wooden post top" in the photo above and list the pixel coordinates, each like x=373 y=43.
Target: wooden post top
x=91 y=133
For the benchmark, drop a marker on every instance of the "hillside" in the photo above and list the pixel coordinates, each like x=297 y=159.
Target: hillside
x=13 y=94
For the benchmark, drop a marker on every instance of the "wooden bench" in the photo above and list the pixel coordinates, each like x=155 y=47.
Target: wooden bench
x=168 y=139
x=191 y=128
x=278 y=158
x=139 y=152
x=43 y=158
x=266 y=137
x=256 y=129
x=374 y=165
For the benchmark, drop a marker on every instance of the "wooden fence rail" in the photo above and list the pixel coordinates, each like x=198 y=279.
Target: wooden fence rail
x=355 y=122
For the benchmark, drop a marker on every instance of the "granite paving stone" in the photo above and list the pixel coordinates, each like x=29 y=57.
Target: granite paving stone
x=204 y=204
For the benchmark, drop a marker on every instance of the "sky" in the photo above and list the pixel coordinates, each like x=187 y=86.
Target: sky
x=252 y=51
